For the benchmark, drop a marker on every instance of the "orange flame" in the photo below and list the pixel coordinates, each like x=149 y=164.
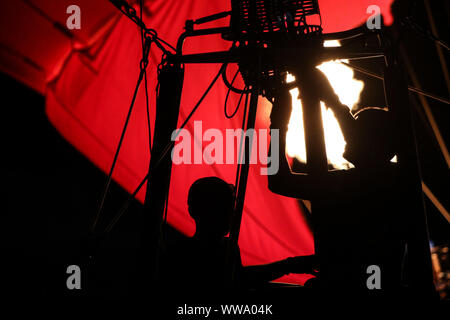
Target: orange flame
x=348 y=90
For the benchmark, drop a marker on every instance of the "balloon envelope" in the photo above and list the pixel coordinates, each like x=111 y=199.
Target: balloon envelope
x=88 y=76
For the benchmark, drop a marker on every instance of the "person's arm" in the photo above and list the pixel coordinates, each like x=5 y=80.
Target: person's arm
x=345 y=119
x=316 y=81
x=297 y=185
x=260 y=274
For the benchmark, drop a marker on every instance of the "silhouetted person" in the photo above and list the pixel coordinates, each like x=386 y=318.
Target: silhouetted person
x=200 y=265
x=357 y=212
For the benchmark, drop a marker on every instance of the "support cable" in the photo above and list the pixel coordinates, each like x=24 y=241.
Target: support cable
x=126 y=205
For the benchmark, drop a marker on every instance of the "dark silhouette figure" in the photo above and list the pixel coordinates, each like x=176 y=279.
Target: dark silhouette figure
x=201 y=264
x=358 y=212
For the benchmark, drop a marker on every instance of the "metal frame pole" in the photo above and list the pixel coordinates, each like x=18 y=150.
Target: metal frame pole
x=243 y=172
x=420 y=275
x=167 y=110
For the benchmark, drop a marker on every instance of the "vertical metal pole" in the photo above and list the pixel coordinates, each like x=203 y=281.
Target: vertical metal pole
x=243 y=177
x=316 y=163
x=167 y=109
x=316 y=158
x=420 y=275
x=316 y=155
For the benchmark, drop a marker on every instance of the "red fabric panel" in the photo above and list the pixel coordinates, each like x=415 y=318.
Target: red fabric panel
x=32 y=48
x=343 y=15
x=88 y=103
x=34 y=40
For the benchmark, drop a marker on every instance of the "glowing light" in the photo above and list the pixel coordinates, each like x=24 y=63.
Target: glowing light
x=348 y=90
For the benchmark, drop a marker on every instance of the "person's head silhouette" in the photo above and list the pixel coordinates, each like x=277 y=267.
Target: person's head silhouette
x=373 y=141
x=210 y=203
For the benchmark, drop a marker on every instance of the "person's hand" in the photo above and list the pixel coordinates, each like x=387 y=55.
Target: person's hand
x=302 y=264
x=281 y=111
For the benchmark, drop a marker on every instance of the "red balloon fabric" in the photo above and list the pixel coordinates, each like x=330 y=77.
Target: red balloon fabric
x=88 y=96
